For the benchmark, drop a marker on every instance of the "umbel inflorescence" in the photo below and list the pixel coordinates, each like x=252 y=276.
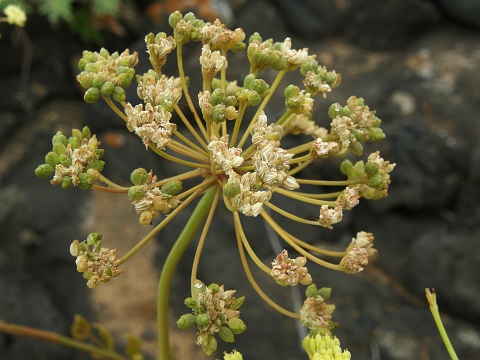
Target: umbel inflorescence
x=238 y=160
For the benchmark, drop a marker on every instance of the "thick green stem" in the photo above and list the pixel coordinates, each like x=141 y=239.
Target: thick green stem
x=184 y=239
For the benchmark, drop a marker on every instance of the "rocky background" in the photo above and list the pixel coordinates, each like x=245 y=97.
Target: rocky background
x=415 y=61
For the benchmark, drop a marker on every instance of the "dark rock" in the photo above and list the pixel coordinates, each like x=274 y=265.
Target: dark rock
x=466 y=11
x=370 y=24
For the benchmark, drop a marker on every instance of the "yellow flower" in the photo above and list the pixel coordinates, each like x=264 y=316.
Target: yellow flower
x=15 y=15
x=324 y=347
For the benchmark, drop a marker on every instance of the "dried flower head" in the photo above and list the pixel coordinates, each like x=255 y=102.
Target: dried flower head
x=289 y=272
x=97 y=264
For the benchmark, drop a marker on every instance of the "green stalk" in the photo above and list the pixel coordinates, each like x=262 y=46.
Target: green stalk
x=184 y=239
x=432 y=301
x=56 y=338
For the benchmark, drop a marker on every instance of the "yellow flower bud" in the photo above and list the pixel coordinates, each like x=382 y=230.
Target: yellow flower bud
x=145 y=218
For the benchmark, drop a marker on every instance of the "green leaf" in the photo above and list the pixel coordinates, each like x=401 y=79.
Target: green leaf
x=56 y=10
x=106 y=7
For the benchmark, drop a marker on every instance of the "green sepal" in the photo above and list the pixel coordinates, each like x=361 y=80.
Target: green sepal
x=52 y=159
x=210 y=347
x=77 y=134
x=86 y=133
x=91 y=95
x=94 y=238
x=260 y=86
x=218 y=113
x=172 y=187
x=356 y=147
x=59 y=138
x=118 y=94
x=213 y=288
x=85 y=182
x=174 y=18
x=248 y=80
x=96 y=165
x=85 y=79
x=203 y=321
x=186 y=321
x=44 y=170
x=231 y=189
x=325 y=292
x=226 y=334
x=191 y=303
x=73 y=142
x=136 y=192
x=139 y=176
x=255 y=37
x=65 y=160
x=311 y=291
x=167 y=103
x=346 y=167
x=309 y=66
x=107 y=88
x=98 y=81
x=237 y=303
x=371 y=168
x=293 y=103
x=236 y=325
x=230 y=101
x=334 y=110
x=239 y=46
x=291 y=91
x=377 y=182
x=253 y=98
x=66 y=182
x=217 y=97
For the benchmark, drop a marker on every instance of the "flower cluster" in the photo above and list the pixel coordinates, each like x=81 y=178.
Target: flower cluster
x=106 y=75
x=358 y=253
x=148 y=198
x=14 y=15
x=215 y=310
x=324 y=347
x=97 y=264
x=75 y=160
x=315 y=313
x=289 y=272
x=241 y=158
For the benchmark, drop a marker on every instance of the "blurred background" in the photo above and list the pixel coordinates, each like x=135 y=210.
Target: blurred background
x=416 y=62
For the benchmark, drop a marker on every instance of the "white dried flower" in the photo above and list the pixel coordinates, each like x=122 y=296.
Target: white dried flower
x=329 y=216
x=212 y=62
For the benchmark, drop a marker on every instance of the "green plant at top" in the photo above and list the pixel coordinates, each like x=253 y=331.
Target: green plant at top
x=237 y=160
x=77 y=14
